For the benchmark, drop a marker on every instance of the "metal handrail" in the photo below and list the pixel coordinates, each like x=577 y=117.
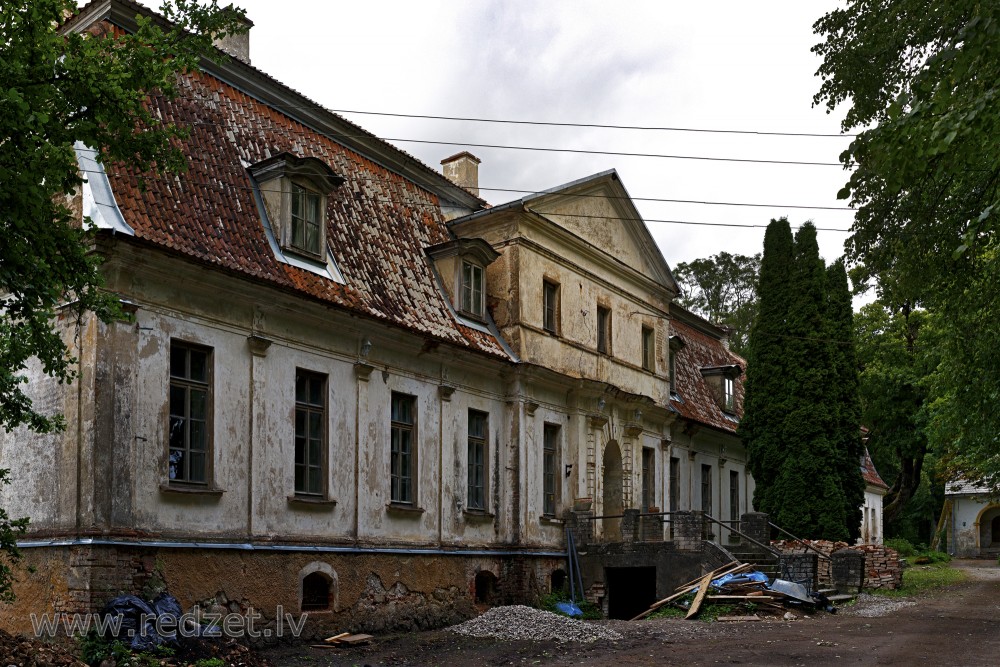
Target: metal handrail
x=800 y=541
x=766 y=547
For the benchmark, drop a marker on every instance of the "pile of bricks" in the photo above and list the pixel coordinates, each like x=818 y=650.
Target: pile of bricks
x=882 y=566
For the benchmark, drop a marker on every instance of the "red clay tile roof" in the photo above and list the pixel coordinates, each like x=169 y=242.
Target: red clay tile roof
x=702 y=350
x=379 y=222
x=868 y=471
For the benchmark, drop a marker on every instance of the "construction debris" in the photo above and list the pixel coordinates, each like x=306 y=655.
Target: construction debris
x=738 y=584
x=346 y=639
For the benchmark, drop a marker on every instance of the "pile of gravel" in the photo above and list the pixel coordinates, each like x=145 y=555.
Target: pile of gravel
x=520 y=622
x=874 y=606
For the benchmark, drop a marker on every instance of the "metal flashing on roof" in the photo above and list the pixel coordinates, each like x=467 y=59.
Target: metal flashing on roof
x=98 y=200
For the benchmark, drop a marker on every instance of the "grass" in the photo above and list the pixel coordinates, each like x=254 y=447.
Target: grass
x=924 y=578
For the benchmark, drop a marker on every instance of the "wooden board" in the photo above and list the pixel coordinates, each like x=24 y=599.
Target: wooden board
x=355 y=639
x=702 y=590
x=335 y=638
x=738 y=618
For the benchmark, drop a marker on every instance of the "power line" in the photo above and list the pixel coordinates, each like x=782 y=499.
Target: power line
x=624 y=197
x=549 y=149
x=543 y=213
x=506 y=121
x=651 y=128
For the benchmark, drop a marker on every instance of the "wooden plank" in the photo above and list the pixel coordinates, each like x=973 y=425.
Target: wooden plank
x=356 y=639
x=752 y=598
x=716 y=573
x=738 y=618
x=335 y=638
x=702 y=590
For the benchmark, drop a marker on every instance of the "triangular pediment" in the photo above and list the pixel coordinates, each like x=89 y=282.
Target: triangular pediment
x=599 y=210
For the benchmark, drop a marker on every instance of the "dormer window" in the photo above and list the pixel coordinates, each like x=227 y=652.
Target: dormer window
x=472 y=290
x=461 y=267
x=294 y=192
x=721 y=381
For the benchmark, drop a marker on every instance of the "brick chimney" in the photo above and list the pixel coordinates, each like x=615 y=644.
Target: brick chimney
x=237 y=45
x=462 y=169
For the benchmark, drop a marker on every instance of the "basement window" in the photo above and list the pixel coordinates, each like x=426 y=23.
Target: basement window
x=315 y=592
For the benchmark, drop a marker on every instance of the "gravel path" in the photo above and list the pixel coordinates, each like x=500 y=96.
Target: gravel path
x=520 y=622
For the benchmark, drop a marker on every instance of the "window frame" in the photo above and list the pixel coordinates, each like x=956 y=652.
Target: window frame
x=469 y=302
x=477 y=496
x=648 y=342
x=706 y=488
x=551 y=434
x=734 y=495
x=400 y=471
x=729 y=394
x=550 y=306
x=308 y=408
x=603 y=329
x=296 y=189
x=187 y=384
x=648 y=478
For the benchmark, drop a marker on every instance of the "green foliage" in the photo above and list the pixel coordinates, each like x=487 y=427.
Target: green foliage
x=668 y=611
x=801 y=415
x=901 y=545
x=210 y=662
x=549 y=602
x=919 y=76
x=723 y=289
x=95 y=649
x=56 y=89
x=10 y=555
x=923 y=579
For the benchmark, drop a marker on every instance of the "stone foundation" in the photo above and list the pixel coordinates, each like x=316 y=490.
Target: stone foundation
x=369 y=592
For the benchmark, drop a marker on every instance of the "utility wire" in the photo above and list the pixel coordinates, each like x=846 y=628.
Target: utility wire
x=414 y=204
x=622 y=197
x=505 y=121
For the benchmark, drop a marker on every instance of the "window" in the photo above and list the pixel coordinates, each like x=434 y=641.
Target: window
x=550 y=306
x=310 y=433
x=675 y=488
x=402 y=459
x=728 y=394
x=478 y=437
x=307 y=220
x=472 y=289
x=190 y=408
x=675 y=345
x=603 y=330
x=734 y=495
x=550 y=466
x=648 y=478
x=706 y=489
x=648 y=349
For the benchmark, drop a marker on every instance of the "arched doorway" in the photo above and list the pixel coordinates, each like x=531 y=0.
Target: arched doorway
x=995 y=532
x=613 y=497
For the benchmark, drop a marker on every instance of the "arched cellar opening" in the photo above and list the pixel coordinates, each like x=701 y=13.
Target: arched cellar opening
x=486 y=587
x=316 y=592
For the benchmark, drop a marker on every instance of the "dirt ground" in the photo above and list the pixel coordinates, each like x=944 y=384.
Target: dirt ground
x=956 y=627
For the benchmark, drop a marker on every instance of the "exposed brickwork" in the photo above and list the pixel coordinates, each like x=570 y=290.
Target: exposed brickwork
x=801 y=568
x=882 y=568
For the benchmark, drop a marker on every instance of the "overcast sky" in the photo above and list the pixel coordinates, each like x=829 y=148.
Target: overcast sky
x=724 y=65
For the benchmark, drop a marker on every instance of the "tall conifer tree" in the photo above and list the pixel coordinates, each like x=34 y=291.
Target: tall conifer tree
x=845 y=393
x=801 y=402
x=767 y=392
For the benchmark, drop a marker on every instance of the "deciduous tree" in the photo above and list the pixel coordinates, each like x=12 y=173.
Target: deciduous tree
x=919 y=77
x=57 y=88
x=723 y=289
